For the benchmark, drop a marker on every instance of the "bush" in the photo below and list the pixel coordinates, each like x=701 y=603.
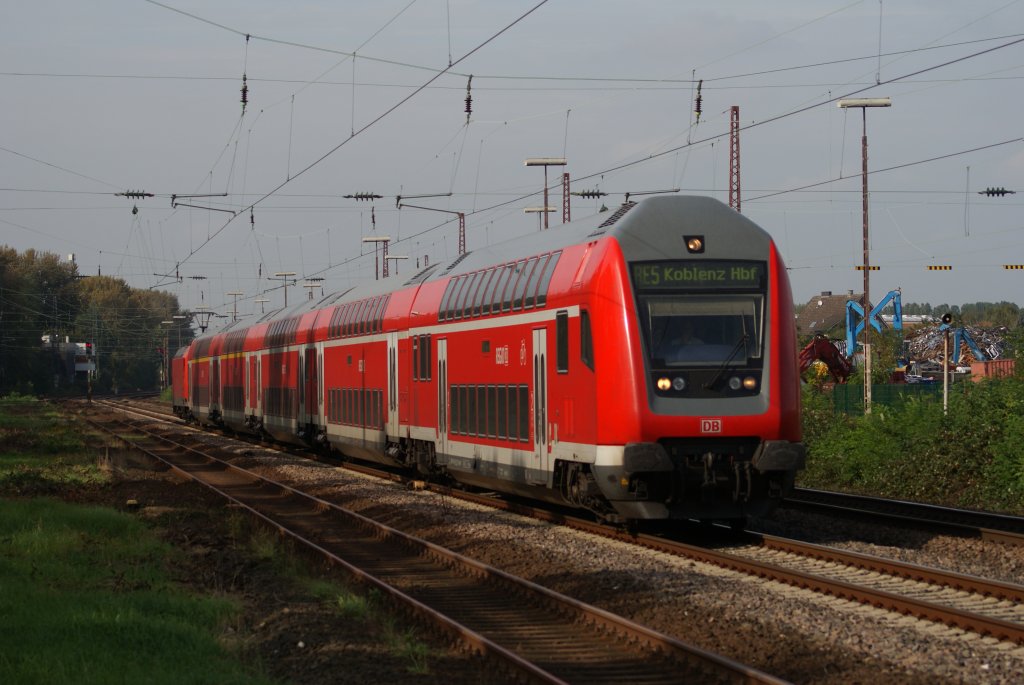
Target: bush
x=971 y=457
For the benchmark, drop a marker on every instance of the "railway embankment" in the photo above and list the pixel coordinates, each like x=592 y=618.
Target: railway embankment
x=114 y=573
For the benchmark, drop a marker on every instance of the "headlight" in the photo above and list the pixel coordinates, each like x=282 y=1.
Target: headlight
x=664 y=384
x=735 y=383
x=679 y=383
x=750 y=383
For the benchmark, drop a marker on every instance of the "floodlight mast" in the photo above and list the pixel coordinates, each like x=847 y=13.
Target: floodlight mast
x=545 y=162
x=863 y=104
x=234 y=306
x=395 y=258
x=379 y=239
x=284 y=276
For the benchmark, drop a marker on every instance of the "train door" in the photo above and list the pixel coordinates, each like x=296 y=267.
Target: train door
x=214 y=382
x=312 y=387
x=259 y=384
x=442 y=396
x=392 y=426
x=539 y=468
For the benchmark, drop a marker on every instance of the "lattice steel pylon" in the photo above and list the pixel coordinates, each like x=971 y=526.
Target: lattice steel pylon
x=734 y=157
x=566 y=208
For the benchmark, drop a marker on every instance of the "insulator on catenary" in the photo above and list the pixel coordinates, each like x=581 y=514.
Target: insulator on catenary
x=469 y=97
x=697 y=104
x=997 y=192
x=245 y=93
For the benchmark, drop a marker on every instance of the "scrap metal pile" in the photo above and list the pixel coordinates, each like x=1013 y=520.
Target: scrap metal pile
x=926 y=344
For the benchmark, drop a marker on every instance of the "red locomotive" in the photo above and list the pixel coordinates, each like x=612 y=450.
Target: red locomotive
x=641 y=364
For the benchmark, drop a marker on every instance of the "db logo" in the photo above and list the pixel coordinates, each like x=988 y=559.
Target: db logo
x=711 y=425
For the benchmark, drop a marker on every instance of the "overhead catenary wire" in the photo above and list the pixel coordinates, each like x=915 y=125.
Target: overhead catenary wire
x=374 y=121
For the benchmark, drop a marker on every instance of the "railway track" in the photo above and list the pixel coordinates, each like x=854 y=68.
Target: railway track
x=972 y=604
x=962 y=522
x=535 y=634
x=969 y=603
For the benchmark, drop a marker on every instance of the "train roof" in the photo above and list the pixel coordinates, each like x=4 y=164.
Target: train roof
x=644 y=226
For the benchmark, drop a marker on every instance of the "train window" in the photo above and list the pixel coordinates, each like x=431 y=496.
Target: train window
x=488 y=293
x=371 y=315
x=372 y=325
x=478 y=299
x=727 y=329
x=363 y=318
x=346 y=320
x=530 y=298
x=425 y=367
x=524 y=278
x=513 y=405
x=375 y=317
x=492 y=411
x=378 y=317
x=368 y=309
x=330 y=324
x=454 y=311
x=562 y=342
x=469 y=394
x=505 y=275
x=545 y=279
x=339 y=323
x=524 y=414
x=586 y=340
x=466 y=301
x=502 y=411
x=442 y=311
x=515 y=275
x=466 y=410
x=481 y=410
x=453 y=408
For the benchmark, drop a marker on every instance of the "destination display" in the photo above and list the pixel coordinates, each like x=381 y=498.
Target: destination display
x=703 y=274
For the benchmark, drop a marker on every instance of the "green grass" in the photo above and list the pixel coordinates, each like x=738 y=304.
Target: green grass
x=40 y=450
x=84 y=598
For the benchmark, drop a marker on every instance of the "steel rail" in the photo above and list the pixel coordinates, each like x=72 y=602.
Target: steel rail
x=963 y=522
x=922 y=609
x=629 y=633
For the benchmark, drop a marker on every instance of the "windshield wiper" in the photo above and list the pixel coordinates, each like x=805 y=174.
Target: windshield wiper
x=740 y=344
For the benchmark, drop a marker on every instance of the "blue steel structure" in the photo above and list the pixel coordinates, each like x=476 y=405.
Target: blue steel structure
x=855 y=325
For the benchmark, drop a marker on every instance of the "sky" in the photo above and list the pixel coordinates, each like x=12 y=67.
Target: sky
x=106 y=99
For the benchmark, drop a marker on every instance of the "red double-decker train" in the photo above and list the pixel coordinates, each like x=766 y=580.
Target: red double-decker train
x=641 y=364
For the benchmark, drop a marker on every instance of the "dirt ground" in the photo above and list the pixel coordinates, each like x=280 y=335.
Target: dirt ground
x=282 y=631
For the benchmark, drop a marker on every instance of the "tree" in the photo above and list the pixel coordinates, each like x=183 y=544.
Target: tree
x=38 y=296
x=124 y=324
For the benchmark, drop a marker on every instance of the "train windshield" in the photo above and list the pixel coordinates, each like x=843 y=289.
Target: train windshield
x=703 y=329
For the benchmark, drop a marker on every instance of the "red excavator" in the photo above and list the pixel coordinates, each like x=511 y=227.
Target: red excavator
x=821 y=348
